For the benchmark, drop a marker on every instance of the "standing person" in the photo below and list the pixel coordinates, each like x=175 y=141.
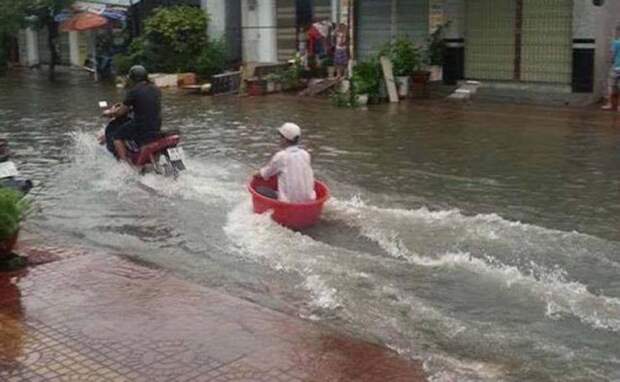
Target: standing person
x=144 y=100
x=614 y=74
x=341 y=54
x=292 y=167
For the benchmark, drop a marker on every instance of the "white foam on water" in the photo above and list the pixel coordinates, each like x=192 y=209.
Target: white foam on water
x=323 y=296
x=209 y=183
x=260 y=238
x=442 y=368
x=560 y=295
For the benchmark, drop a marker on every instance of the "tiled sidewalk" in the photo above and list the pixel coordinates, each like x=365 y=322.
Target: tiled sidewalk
x=103 y=318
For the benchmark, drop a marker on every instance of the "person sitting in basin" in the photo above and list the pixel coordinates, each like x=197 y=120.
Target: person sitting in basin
x=292 y=167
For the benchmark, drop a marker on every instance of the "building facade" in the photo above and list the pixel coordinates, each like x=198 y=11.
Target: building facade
x=269 y=31
x=557 y=45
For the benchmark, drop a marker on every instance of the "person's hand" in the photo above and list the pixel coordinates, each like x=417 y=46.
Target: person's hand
x=101 y=138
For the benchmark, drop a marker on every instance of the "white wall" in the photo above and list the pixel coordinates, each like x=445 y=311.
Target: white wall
x=217 y=17
x=74 y=48
x=258 y=20
x=598 y=23
x=32 y=48
x=455 y=13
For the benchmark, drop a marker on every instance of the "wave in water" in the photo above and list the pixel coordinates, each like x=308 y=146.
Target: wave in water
x=551 y=285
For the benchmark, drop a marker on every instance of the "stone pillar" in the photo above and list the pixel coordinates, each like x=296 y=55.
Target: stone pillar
x=32 y=45
x=454 y=57
x=590 y=48
x=217 y=17
x=74 y=48
x=258 y=20
x=335 y=5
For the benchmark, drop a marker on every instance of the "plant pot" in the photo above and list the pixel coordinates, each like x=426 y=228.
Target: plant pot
x=402 y=83
x=7 y=245
x=331 y=71
x=421 y=76
x=362 y=99
x=271 y=86
x=436 y=73
x=256 y=87
x=420 y=88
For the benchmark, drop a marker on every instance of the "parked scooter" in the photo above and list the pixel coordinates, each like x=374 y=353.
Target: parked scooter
x=163 y=156
x=9 y=175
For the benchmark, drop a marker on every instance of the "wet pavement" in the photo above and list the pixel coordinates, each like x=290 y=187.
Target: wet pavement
x=90 y=317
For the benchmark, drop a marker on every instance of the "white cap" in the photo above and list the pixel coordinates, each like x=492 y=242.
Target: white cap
x=290 y=131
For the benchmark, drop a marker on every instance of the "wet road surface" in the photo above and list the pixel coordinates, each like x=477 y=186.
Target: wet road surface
x=482 y=239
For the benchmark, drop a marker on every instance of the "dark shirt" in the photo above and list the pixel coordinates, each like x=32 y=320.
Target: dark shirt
x=145 y=101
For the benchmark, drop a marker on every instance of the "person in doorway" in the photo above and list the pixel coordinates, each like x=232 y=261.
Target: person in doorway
x=144 y=100
x=292 y=167
x=341 y=55
x=614 y=74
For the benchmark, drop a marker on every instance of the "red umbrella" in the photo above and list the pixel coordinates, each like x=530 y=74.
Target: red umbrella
x=84 y=21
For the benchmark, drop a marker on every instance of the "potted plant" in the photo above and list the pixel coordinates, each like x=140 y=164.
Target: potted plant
x=366 y=81
x=272 y=79
x=406 y=58
x=13 y=209
x=331 y=69
x=435 y=51
x=291 y=77
x=256 y=86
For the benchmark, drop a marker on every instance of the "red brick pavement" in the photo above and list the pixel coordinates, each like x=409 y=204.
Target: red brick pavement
x=102 y=318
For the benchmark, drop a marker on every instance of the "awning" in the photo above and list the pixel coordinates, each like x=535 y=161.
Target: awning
x=84 y=21
x=117 y=3
x=110 y=12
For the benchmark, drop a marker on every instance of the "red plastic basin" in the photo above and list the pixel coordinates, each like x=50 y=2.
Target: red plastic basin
x=291 y=215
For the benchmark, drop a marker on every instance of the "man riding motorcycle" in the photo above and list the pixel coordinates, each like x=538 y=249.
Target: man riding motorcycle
x=144 y=100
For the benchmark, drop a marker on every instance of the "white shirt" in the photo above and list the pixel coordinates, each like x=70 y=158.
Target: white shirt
x=295 y=175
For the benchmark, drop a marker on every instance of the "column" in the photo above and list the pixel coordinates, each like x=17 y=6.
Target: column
x=74 y=48
x=258 y=20
x=335 y=5
x=217 y=17
x=32 y=43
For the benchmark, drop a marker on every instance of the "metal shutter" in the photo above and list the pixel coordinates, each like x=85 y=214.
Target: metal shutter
x=490 y=42
x=546 y=53
x=412 y=19
x=286 y=23
x=62 y=42
x=44 y=52
x=23 y=47
x=373 y=26
x=322 y=9
x=379 y=21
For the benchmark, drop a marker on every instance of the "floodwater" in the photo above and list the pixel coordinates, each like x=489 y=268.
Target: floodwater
x=483 y=239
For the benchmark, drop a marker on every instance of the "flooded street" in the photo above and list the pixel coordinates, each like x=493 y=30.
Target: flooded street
x=483 y=239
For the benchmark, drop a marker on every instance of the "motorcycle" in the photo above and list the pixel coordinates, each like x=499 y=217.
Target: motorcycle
x=9 y=175
x=164 y=155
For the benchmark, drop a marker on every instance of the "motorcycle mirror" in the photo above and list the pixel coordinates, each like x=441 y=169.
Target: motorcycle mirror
x=103 y=104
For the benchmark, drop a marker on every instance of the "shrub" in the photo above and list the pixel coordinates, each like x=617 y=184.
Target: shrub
x=13 y=209
x=291 y=76
x=436 y=46
x=405 y=56
x=213 y=58
x=366 y=77
x=347 y=99
x=175 y=40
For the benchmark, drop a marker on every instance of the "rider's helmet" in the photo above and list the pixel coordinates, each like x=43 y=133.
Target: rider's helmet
x=138 y=73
